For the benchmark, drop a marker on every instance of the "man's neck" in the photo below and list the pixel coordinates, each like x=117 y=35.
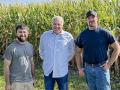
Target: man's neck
x=20 y=41
x=93 y=28
x=60 y=32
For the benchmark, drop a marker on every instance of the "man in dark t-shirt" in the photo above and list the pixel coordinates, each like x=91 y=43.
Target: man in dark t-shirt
x=94 y=63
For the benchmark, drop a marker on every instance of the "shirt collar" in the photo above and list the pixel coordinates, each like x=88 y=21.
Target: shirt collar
x=62 y=32
x=97 y=29
x=22 y=43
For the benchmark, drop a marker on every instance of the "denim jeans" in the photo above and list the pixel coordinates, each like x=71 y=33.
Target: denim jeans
x=97 y=78
x=50 y=82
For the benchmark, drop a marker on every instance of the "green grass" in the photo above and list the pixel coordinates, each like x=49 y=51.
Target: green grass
x=1 y=76
x=75 y=82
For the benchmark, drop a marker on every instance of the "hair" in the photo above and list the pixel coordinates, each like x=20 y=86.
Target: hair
x=58 y=18
x=21 y=26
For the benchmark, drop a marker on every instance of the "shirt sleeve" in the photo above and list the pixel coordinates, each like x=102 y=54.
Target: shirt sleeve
x=41 y=48
x=78 y=42
x=110 y=38
x=71 y=47
x=8 y=54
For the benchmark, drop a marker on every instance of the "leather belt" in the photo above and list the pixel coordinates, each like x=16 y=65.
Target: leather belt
x=95 y=65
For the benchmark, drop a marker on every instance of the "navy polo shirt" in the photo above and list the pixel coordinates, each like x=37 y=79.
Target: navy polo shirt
x=95 y=45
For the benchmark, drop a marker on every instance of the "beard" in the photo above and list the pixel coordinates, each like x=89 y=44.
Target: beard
x=20 y=39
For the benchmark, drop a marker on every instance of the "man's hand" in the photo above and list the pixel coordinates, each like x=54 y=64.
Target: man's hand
x=8 y=87
x=33 y=81
x=81 y=72
x=7 y=74
x=106 y=66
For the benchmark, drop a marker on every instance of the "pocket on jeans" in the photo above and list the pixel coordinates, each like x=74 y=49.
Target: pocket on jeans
x=104 y=69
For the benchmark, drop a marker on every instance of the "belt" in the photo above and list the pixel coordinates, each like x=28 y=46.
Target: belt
x=95 y=65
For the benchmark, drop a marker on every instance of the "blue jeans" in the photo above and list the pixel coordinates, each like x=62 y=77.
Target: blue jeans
x=97 y=78
x=50 y=82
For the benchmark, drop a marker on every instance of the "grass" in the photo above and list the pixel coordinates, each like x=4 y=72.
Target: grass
x=75 y=82
x=1 y=76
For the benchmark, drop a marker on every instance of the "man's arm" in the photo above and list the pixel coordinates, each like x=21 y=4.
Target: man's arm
x=79 y=60
x=7 y=74
x=33 y=69
x=114 y=55
x=78 y=56
x=71 y=48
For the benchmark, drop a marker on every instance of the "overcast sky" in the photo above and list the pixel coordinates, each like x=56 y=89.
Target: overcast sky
x=7 y=2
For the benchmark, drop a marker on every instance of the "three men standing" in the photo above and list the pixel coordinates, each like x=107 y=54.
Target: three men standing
x=57 y=49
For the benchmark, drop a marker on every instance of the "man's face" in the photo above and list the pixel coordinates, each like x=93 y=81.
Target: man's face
x=92 y=21
x=22 y=35
x=57 y=26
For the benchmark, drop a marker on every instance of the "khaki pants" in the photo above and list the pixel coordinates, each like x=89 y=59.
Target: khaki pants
x=22 y=86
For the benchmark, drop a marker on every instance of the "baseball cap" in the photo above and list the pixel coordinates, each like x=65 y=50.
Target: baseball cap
x=91 y=13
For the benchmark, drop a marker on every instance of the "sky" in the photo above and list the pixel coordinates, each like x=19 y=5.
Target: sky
x=11 y=2
x=8 y=2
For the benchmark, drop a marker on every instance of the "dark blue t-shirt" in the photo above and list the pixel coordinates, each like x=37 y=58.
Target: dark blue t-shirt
x=95 y=45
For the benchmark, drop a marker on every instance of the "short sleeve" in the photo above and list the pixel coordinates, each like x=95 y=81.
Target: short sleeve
x=8 y=54
x=110 y=38
x=78 y=42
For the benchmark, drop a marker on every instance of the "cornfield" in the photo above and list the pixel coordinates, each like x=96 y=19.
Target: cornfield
x=38 y=18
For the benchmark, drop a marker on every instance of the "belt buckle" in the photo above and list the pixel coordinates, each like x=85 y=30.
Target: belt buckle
x=92 y=65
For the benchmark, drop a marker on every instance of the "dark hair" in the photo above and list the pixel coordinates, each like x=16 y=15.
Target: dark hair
x=21 y=26
x=91 y=13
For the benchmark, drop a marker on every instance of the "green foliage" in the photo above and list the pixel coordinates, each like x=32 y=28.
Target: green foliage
x=38 y=17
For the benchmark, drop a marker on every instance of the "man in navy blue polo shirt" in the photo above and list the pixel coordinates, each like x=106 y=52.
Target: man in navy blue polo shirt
x=91 y=54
